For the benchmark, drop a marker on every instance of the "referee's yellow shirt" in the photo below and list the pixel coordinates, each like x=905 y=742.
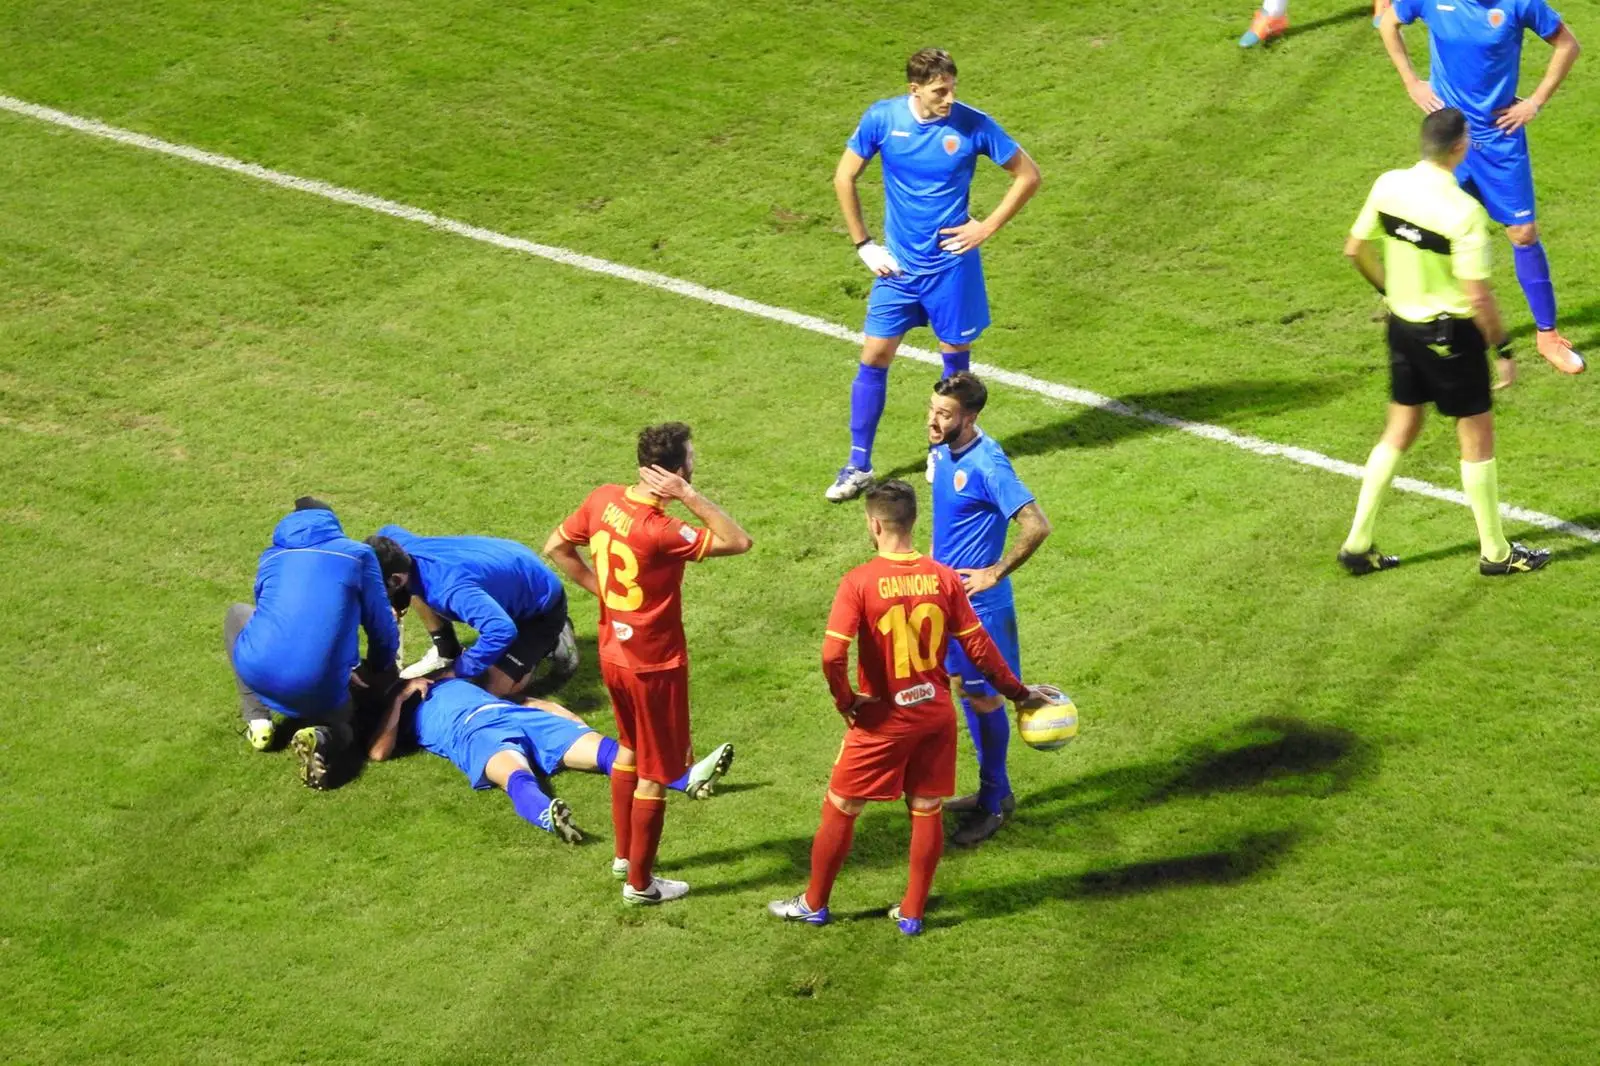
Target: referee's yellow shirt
x=1435 y=236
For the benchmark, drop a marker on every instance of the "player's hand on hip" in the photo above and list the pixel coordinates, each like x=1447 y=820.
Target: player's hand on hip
x=878 y=259
x=664 y=483
x=1516 y=116
x=965 y=237
x=850 y=712
x=1423 y=96
x=976 y=581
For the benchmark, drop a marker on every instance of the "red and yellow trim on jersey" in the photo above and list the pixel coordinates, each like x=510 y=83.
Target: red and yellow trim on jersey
x=831 y=635
x=706 y=537
x=967 y=632
x=916 y=813
x=568 y=537
x=900 y=557
x=648 y=501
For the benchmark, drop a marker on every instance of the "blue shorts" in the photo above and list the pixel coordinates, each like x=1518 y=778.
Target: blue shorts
x=542 y=737
x=1001 y=625
x=1498 y=172
x=953 y=301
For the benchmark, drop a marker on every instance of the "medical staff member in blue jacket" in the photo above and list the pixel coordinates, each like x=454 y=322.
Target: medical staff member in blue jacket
x=297 y=650
x=500 y=588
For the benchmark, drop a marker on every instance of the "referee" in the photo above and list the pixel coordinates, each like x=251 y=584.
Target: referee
x=1434 y=274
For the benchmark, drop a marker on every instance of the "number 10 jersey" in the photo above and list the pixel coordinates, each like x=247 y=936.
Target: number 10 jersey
x=638 y=552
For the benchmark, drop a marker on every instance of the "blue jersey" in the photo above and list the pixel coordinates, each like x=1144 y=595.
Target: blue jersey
x=975 y=496
x=461 y=722
x=927 y=174
x=452 y=709
x=315 y=590
x=1476 y=51
x=489 y=584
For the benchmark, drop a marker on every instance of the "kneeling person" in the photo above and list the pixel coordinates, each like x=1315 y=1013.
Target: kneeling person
x=503 y=744
x=498 y=587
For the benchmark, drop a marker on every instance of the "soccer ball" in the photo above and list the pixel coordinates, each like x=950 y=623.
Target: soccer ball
x=1050 y=723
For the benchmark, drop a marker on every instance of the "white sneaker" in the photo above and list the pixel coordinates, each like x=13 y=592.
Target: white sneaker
x=933 y=461
x=661 y=890
x=851 y=482
x=259 y=732
x=797 y=910
x=704 y=775
x=619 y=869
x=426 y=665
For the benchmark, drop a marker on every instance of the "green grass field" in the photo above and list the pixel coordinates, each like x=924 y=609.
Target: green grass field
x=1309 y=820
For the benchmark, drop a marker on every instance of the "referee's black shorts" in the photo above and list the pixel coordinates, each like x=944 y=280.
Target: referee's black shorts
x=1444 y=362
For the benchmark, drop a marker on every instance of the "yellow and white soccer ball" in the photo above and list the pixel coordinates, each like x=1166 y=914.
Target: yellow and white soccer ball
x=1048 y=724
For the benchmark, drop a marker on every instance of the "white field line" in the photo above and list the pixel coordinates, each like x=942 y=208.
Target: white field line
x=1063 y=393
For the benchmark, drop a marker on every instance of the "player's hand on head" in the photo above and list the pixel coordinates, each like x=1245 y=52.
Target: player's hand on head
x=879 y=260
x=1423 y=96
x=1516 y=116
x=965 y=237
x=664 y=483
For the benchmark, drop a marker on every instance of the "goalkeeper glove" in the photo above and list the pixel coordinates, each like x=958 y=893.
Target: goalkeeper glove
x=877 y=258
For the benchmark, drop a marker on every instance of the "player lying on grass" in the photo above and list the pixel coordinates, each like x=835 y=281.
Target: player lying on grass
x=900 y=738
x=506 y=745
x=498 y=587
x=297 y=650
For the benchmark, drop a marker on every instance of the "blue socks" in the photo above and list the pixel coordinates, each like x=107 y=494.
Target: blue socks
x=528 y=798
x=606 y=758
x=956 y=362
x=1533 y=274
x=867 y=397
x=991 y=736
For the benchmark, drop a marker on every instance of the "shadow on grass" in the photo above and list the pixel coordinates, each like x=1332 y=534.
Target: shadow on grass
x=1468 y=549
x=1353 y=14
x=1584 y=317
x=1270 y=757
x=1148 y=412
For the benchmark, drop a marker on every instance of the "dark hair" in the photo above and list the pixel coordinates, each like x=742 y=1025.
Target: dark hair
x=928 y=65
x=310 y=503
x=894 y=503
x=1442 y=130
x=392 y=559
x=666 y=446
x=967 y=389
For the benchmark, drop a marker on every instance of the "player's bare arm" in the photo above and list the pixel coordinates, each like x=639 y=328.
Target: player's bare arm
x=383 y=742
x=1025 y=181
x=874 y=255
x=1523 y=112
x=565 y=557
x=1421 y=92
x=1032 y=529
x=1363 y=255
x=727 y=536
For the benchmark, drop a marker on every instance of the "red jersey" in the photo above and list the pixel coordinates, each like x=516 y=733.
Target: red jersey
x=638 y=552
x=906 y=609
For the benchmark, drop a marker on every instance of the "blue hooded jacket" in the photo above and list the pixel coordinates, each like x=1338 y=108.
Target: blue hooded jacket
x=314 y=588
x=488 y=583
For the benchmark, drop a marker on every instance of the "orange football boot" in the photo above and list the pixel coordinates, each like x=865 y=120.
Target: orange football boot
x=1263 y=28
x=1557 y=351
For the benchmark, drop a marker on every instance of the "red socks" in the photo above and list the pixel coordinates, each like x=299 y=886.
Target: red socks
x=644 y=838
x=829 y=849
x=623 y=782
x=927 y=844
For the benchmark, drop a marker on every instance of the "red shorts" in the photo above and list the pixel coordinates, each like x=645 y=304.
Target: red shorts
x=652 y=711
x=880 y=766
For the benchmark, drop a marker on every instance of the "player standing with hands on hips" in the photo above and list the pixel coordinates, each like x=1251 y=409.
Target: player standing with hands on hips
x=1476 y=50
x=928 y=269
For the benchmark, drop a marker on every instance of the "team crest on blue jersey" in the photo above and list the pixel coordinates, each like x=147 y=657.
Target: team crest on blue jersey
x=951 y=143
x=1497 y=18
x=961 y=480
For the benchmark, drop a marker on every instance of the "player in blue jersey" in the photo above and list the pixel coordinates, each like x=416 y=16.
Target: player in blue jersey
x=1476 y=53
x=928 y=271
x=500 y=588
x=976 y=497
x=506 y=745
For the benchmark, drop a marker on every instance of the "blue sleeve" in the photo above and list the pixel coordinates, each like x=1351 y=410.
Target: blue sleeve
x=377 y=617
x=868 y=137
x=1407 y=11
x=1539 y=17
x=495 y=628
x=1006 y=490
x=995 y=142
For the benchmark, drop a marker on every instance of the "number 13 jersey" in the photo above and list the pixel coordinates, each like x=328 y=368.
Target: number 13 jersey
x=906 y=608
x=638 y=551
